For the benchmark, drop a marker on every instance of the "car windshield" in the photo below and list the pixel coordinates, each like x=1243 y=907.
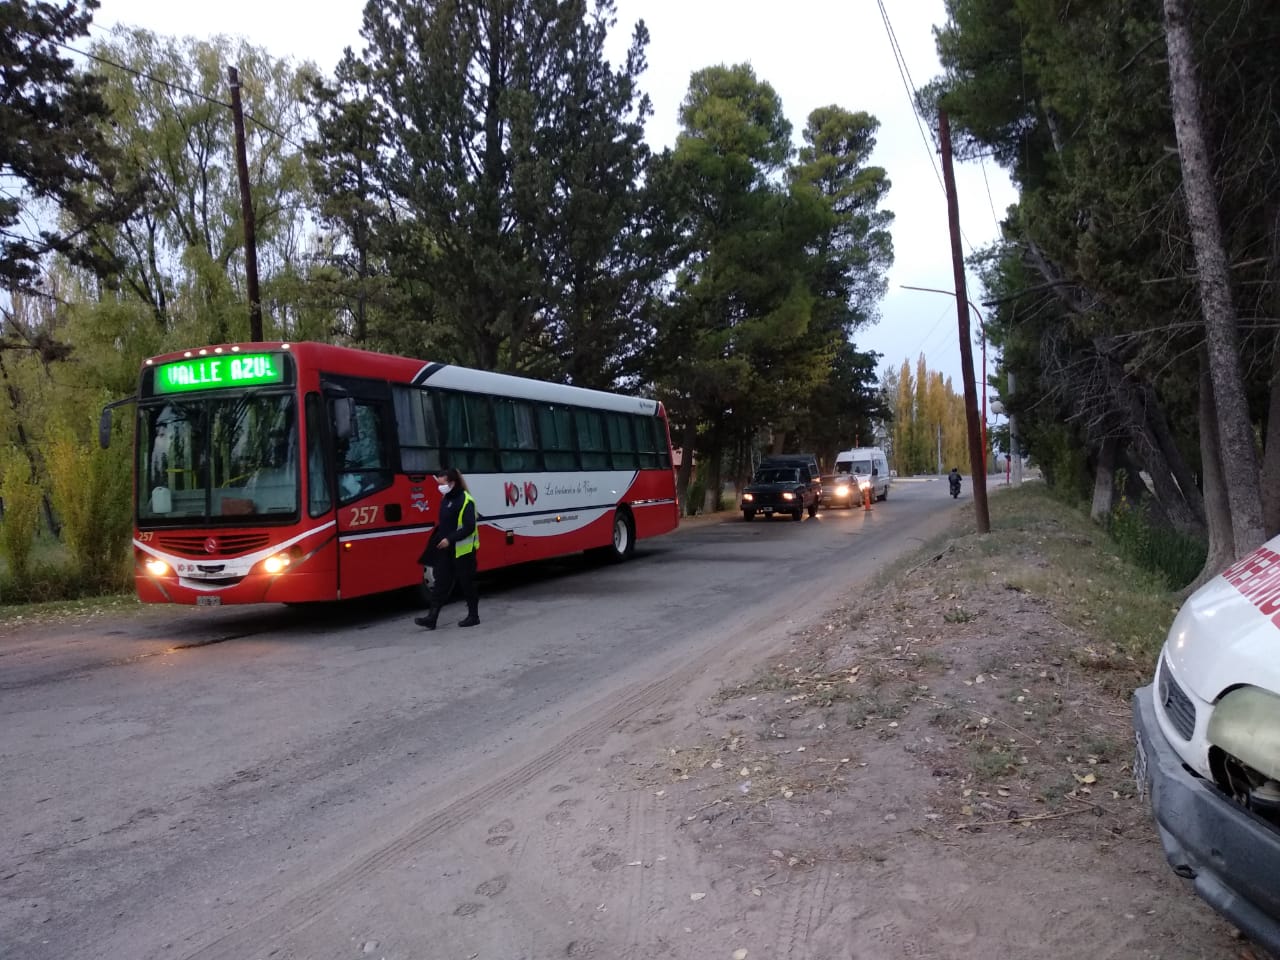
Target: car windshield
x=205 y=460
x=777 y=475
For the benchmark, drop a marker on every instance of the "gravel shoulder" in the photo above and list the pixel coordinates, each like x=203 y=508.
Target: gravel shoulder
x=938 y=766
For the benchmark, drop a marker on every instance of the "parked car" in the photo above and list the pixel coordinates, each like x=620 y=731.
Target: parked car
x=870 y=466
x=839 y=490
x=808 y=464
x=779 y=489
x=1208 y=744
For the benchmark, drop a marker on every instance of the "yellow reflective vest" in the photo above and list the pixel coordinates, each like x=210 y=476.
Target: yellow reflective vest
x=472 y=543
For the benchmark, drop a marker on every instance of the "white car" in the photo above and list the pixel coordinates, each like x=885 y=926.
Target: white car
x=1208 y=744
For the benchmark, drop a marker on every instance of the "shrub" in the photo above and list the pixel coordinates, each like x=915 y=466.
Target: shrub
x=21 y=516
x=91 y=489
x=1175 y=556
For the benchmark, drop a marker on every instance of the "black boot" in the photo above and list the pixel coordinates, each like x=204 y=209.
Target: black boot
x=473 y=619
x=429 y=621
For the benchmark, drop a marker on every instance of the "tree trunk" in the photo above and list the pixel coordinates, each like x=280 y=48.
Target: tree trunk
x=1217 y=510
x=1104 y=481
x=1235 y=430
x=688 y=437
x=1271 y=459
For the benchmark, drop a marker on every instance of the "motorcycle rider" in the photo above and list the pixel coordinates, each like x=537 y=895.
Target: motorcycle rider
x=954 y=479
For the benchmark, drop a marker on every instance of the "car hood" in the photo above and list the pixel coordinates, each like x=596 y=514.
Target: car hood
x=1228 y=632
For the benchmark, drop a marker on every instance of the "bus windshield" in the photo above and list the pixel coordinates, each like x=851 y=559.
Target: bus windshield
x=212 y=459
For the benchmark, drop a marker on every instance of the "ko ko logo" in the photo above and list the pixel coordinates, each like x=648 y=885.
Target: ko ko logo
x=514 y=494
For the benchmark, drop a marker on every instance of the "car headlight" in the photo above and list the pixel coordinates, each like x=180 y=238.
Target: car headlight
x=275 y=564
x=842 y=490
x=788 y=496
x=157 y=567
x=748 y=497
x=864 y=484
x=1246 y=724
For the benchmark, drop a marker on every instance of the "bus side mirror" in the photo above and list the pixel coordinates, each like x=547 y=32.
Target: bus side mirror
x=104 y=428
x=344 y=417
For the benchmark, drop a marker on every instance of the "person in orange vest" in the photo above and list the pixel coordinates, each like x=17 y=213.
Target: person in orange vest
x=451 y=550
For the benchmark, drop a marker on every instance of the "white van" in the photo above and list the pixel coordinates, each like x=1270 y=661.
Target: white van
x=869 y=466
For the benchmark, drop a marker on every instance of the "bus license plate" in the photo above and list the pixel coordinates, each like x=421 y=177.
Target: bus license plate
x=208 y=601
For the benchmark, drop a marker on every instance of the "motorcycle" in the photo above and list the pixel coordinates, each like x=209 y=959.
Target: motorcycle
x=955 y=486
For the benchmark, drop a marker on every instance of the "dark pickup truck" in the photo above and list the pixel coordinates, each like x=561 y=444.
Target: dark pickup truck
x=779 y=489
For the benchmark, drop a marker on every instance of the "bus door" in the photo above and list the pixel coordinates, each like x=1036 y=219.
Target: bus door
x=369 y=512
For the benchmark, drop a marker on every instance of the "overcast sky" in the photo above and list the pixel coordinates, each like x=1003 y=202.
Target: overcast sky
x=813 y=52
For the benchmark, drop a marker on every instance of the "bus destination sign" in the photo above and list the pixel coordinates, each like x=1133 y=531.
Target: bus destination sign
x=213 y=373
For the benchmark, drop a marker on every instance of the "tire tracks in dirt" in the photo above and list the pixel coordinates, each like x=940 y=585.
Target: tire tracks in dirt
x=298 y=912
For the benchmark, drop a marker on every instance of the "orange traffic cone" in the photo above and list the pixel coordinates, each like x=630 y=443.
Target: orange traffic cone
x=866 y=497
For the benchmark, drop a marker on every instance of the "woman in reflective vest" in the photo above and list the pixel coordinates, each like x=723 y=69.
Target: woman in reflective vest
x=451 y=550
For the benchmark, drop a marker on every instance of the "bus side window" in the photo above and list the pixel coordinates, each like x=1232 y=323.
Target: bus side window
x=418 y=432
x=622 y=444
x=646 y=447
x=363 y=463
x=468 y=432
x=555 y=429
x=517 y=445
x=658 y=427
x=319 y=498
x=589 y=425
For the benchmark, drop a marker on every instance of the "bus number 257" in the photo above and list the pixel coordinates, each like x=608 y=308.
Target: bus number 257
x=362 y=516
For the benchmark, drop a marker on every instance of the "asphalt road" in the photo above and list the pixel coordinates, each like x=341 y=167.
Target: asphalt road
x=187 y=783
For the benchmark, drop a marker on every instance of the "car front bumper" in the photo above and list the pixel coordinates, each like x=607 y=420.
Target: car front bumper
x=1231 y=855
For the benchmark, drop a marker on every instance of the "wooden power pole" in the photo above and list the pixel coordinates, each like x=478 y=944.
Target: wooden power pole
x=977 y=455
x=246 y=211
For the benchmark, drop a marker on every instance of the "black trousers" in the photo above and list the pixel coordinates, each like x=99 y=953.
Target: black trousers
x=460 y=570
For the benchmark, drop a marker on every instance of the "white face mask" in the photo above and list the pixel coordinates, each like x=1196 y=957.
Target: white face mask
x=444 y=487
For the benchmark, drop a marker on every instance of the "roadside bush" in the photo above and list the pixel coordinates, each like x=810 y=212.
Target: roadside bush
x=21 y=517
x=91 y=489
x=1175 y=556
x=697 y=497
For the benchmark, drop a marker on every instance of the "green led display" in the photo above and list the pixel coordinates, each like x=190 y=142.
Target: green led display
x=212 y=373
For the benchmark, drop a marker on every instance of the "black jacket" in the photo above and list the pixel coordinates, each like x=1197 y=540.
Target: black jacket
x=447 y=525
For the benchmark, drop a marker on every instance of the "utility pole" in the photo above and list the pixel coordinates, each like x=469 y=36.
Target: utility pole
x=939 y=449
x=1015 y=454
x=246 y=212
x=977 y=455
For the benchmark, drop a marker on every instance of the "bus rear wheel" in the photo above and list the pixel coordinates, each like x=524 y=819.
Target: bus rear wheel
x=624 y=538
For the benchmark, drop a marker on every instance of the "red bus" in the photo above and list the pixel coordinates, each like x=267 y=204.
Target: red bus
x=295 y=472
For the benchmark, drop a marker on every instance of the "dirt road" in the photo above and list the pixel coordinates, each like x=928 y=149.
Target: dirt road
x=731 y=747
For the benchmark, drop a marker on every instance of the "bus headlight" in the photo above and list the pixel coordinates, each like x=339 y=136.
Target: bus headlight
x=157 y=568
x=277 y=563
x=1246 y=724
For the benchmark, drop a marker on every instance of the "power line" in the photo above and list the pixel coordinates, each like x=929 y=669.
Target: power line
x=900 y=62
x=991 y=202
x=904 y=72
x=177 y=87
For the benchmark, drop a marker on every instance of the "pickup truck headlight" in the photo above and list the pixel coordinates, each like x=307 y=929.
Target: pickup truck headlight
x=788 y=496
x=1246 y=724
x=748 y=497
